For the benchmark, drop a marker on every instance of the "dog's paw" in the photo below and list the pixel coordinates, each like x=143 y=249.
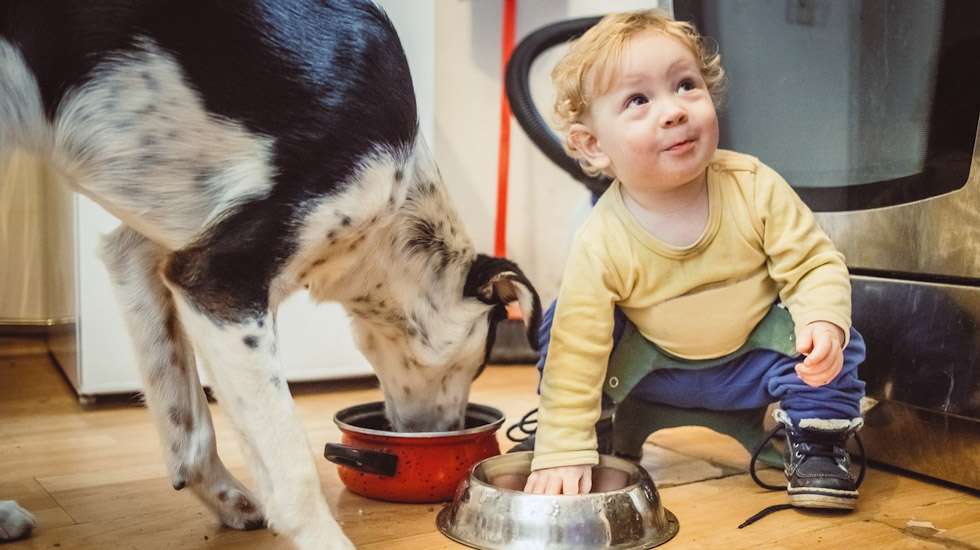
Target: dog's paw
x=15 y=522
x=239 y=510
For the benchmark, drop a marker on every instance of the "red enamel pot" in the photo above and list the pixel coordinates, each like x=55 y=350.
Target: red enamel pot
x=376 y=462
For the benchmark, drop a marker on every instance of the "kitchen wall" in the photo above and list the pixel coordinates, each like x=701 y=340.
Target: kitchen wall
x=545 y=205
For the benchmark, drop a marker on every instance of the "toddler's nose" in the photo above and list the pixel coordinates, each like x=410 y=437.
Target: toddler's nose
x=674 y=116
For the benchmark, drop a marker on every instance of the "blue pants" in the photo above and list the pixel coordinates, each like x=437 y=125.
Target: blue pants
x=750 y=381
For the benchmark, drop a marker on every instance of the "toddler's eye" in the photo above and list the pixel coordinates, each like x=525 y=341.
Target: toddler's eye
x=686 y=85
x=636 y=99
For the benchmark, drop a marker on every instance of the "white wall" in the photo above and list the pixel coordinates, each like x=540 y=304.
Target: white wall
x=544 y=204
x=414 y=20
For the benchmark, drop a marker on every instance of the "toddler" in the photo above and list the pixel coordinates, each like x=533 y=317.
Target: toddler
x=698 y=248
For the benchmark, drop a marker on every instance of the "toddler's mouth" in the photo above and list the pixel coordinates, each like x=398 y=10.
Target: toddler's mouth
x=680 y=146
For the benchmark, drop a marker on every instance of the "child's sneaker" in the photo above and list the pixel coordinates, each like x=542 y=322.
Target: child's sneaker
x=817 y=464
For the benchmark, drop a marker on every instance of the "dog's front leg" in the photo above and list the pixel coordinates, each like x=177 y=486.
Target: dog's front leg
x=171 y=386
x=240 y=357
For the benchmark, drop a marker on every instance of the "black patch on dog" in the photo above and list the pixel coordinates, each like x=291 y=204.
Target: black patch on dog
x=174 y=336
x=251 y=341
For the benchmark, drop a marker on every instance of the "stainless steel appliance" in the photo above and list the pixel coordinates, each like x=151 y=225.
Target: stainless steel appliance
x=870 y=109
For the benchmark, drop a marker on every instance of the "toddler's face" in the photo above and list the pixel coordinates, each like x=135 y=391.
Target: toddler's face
x=657 y=124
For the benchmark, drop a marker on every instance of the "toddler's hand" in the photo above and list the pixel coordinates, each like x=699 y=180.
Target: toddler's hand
x=822 y=343
x=568 y=480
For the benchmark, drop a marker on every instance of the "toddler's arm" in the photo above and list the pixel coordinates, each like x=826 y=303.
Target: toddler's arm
x=578 y=354
x=811 y=274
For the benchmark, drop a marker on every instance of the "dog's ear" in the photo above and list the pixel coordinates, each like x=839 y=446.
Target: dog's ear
x=498 y=282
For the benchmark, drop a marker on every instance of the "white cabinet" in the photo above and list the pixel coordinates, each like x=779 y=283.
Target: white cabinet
x=315 y=340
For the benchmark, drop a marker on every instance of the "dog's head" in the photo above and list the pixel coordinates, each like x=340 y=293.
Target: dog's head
x=427 y=363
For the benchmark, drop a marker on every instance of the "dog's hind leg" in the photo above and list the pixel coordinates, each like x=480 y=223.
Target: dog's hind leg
x=227 y=314
x=172 y=388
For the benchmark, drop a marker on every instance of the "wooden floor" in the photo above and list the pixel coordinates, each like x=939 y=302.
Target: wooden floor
x=95 y=479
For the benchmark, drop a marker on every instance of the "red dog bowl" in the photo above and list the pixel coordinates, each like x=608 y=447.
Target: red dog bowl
x=376 y=462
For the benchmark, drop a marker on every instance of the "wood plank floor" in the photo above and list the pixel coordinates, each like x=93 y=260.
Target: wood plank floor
x=95 y=479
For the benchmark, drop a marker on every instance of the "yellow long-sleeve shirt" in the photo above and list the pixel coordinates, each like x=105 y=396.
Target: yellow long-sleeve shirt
x=696 y=302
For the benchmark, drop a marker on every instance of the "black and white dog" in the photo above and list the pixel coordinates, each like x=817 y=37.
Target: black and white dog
x=251 y=149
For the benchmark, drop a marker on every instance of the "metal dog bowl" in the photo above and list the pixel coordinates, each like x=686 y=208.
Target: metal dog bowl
x=623 y=511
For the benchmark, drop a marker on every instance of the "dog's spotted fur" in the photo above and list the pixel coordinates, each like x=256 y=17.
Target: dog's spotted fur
x=253 y=149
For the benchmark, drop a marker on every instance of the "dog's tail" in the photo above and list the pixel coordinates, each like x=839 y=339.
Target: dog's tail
x=22 y=121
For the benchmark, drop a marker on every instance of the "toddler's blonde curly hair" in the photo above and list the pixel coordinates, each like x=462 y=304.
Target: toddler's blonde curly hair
x=586 y=71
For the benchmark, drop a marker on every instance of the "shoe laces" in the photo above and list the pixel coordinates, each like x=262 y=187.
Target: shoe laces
x=527 y=425
x=811 y=446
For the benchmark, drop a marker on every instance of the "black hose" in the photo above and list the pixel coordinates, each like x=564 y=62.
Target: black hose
x=519 y=94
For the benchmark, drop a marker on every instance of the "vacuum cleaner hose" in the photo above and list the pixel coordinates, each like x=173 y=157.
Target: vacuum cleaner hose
x=521 y=104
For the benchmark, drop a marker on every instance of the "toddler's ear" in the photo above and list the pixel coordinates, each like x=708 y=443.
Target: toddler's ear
x=587 y=144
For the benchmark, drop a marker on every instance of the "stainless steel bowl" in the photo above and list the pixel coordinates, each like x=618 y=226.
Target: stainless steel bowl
x=489 y=511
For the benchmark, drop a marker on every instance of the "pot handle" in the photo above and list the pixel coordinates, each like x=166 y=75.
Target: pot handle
x=372 y=462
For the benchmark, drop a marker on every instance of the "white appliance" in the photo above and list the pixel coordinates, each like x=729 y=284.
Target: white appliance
x=315 y=340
